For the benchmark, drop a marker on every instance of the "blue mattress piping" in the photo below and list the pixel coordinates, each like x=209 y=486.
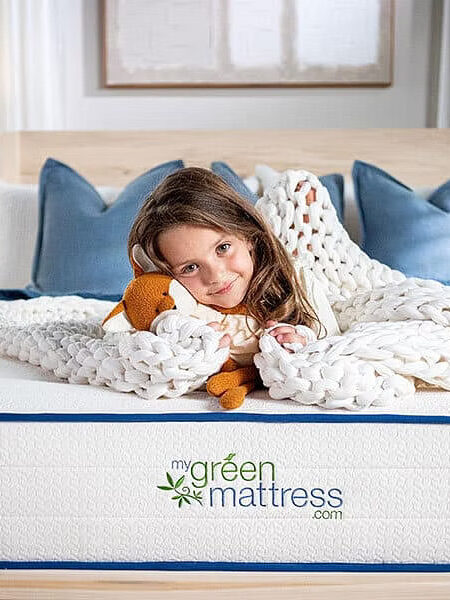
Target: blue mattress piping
x=226 y=417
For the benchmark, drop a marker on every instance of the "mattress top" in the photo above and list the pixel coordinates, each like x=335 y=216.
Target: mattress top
x=27 y=390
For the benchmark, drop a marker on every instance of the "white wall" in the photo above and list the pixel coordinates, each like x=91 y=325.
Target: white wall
x=404 y=104
x=3 y=67
x=79 y=102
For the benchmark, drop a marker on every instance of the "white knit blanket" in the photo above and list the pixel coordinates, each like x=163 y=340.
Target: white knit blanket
x=395 y=329
x=64 y=335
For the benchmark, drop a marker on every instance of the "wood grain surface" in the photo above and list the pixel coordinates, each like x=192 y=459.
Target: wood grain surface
x=418 y=157
x=201 y=585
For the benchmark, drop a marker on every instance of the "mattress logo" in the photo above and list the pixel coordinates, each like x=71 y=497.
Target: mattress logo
x=232 y=483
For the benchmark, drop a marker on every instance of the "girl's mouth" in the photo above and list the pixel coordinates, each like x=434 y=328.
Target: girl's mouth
x=225 y=290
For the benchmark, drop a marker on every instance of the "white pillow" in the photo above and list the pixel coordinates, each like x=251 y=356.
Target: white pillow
x=252 y=183
x=267 y=176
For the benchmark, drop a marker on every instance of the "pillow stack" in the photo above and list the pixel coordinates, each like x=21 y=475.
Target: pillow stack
x=81 y=245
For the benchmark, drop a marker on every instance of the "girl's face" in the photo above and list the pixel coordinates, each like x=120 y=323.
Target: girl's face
x=205 y=261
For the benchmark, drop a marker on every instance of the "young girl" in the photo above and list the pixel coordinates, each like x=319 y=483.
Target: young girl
x=197 y=229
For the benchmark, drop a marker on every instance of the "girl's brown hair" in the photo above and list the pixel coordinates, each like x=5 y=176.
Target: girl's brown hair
x=199 y=197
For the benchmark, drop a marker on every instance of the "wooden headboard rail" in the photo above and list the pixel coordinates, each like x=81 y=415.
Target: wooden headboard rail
x=418 y=157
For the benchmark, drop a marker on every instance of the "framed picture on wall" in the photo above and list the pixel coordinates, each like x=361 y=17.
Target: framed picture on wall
x=247 y=43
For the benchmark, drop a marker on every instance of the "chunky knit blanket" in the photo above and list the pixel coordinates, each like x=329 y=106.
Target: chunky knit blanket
x=395 y=330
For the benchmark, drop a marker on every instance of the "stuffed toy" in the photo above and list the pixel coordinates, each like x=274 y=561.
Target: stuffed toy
x=151 y=293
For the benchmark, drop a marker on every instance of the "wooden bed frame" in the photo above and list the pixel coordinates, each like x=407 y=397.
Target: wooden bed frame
x=418 y=157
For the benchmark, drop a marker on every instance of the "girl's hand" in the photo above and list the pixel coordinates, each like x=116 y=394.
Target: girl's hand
x=226 y=339
x=286 y=333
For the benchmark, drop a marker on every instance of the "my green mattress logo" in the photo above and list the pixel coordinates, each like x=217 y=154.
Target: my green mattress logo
x=253 y=484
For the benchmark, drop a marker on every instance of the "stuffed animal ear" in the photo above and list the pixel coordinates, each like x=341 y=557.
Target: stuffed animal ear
x=141 y=262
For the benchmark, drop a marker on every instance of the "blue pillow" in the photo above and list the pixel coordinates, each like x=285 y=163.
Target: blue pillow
x=81 y=245
x=400 y=228
x=233 y=180
x=335 y=186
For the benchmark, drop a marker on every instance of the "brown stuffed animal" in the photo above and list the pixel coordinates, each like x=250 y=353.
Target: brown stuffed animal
x=151 y=293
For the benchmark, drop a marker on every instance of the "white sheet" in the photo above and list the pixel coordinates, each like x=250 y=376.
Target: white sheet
x=26 y=388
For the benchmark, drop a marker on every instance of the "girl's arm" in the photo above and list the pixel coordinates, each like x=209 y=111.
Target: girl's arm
x=317 y=297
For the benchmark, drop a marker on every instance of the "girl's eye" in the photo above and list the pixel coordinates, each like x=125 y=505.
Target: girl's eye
x=186 y=269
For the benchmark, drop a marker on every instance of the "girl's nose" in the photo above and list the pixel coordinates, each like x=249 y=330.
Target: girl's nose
x=215 y=274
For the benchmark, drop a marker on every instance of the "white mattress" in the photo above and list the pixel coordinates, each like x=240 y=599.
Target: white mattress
x=80 y=466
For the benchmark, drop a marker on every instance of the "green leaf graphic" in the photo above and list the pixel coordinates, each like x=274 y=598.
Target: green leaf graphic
x=179 y=482
x=182 y=495
x=230 y=456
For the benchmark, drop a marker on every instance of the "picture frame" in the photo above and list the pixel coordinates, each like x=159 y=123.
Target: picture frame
x=247 y=43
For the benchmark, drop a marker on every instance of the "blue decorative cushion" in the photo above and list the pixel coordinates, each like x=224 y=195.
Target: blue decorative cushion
x=335 y=186
x=81 y=246
x=402 y=229
x=233 y=180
